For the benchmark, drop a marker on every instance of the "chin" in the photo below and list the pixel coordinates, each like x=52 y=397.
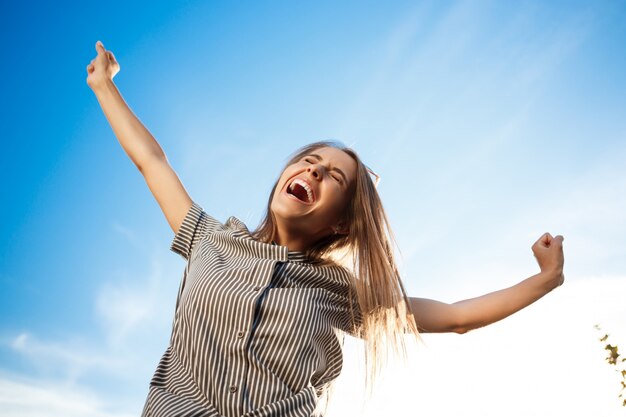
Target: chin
x=280 y=212
x=284 y=207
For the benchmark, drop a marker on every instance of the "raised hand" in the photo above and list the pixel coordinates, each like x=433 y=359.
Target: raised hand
x=102 y=68
x=548 y=251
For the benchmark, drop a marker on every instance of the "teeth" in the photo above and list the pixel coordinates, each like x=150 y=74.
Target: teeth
x=304 y=185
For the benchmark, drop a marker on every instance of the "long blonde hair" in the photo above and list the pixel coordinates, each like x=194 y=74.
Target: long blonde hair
x=382 y=300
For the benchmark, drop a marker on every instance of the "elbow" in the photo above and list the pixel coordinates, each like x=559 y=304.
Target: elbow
x=463 y=321
x=460 y=330
x=144 y=163
x=460 y=321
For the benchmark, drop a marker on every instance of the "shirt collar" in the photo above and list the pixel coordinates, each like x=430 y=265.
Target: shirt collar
x=294 y=256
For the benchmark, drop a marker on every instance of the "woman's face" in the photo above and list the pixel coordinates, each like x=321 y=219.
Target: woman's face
x=313 y=194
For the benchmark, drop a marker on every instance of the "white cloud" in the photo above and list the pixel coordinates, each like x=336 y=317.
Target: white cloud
x=128 y=304
x=128 y=308
x=27 y=398
x=62 y=371
x=68 y=360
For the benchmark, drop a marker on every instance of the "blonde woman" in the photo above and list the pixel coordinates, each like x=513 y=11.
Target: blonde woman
x=260 y=314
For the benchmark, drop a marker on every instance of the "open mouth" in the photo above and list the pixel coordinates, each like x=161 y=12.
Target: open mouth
x=301 y=190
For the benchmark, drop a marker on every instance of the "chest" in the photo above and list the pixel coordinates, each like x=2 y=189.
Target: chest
x=229 y=281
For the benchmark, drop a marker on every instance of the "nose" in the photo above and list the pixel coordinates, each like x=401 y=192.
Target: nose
x=315 y=171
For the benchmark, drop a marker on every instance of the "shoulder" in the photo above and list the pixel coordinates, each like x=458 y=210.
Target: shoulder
x=335 y=272
x=237 y=227
x=338 y=269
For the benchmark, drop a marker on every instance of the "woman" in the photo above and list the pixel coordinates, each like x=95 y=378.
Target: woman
x=260 y=315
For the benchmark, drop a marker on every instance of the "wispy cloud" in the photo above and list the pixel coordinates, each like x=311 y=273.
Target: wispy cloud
x=32 y=398
x=127 y=305
x=431 y=80
x=128 y=233
x=67 y=360
x=64 y=372
x=589 y=212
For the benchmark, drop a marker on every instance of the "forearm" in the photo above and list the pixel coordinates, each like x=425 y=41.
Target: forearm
x=434 y=316
x=136 y=140
x=490 y=308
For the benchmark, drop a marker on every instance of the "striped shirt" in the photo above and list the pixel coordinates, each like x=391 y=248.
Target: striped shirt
x=257 y=329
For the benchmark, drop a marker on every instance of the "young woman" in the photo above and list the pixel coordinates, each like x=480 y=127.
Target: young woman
x=260 y=315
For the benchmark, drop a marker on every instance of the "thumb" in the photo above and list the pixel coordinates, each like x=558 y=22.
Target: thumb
x=100 y=48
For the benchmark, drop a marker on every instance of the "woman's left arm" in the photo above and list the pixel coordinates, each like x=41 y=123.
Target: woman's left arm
x=436 y=317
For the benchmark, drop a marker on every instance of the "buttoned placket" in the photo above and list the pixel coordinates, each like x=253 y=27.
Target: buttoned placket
x=243 y=338
x=256 y=267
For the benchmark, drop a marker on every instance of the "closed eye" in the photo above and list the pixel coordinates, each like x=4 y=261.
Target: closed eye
x=315 y=158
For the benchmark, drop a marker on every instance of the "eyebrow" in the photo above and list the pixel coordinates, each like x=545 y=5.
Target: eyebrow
x=319 y=158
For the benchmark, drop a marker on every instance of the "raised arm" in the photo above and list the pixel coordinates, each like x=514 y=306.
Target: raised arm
x=140 y=146
x=438 y=317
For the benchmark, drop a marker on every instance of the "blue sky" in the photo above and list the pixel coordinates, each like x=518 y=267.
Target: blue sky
x=490 y=123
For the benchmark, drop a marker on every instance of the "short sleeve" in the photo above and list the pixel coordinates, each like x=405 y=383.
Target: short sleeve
x=196 y=225
x=354 y=323
x=352 y=318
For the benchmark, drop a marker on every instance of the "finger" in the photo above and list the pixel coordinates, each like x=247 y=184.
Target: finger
x=110 y=56
x=100 y=48
x=546 y=238
x=558 y=240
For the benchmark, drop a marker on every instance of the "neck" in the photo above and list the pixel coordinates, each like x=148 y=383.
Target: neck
x=293 y=244
x=294 y=240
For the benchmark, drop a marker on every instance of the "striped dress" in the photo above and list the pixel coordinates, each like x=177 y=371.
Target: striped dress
x=257 y=329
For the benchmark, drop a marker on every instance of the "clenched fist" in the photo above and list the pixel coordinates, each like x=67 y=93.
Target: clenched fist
x=548 y=251
x=102 y=68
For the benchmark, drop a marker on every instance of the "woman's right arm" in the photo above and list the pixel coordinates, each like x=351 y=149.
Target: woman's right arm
x=140 y=146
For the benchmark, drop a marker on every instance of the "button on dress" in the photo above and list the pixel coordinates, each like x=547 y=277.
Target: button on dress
x=257 y=330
